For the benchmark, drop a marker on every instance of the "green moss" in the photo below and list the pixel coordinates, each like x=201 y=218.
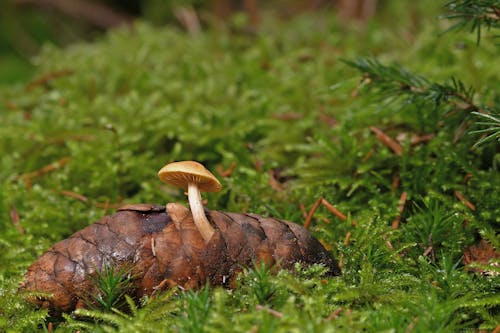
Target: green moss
x=279 y=105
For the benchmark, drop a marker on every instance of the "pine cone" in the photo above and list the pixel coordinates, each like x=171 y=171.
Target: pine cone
x=163 y=248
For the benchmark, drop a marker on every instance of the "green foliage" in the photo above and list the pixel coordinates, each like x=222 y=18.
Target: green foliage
x=491 y=130
x=195 y=308
x=474 y=14
x=287 y=112
x=259 y=281
x=111 y=284
x=148 y=318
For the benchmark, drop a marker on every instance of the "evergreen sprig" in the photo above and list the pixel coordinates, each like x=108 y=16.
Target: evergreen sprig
x=394 y=82
x=474 y=14
x=112 y=284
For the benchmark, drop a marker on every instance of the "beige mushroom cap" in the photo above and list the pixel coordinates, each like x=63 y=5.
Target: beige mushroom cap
x=182 y=173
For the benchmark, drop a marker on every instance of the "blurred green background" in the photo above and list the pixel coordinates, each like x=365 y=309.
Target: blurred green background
x=27 y=25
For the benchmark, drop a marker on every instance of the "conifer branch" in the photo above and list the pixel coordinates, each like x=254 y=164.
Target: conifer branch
x=475 y=14
x=394 y=81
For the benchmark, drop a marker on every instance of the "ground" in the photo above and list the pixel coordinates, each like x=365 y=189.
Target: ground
x=283 y=120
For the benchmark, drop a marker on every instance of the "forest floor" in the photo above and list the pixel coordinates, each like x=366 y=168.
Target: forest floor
x=366 y=120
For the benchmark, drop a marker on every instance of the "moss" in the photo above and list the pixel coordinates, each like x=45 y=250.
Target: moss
x=284 y=108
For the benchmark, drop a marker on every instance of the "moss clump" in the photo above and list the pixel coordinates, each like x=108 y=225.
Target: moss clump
x=103 y=118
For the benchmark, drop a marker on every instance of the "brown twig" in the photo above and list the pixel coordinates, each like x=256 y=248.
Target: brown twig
x=411 y=326
x=227 y=172
x=347 y=238
x=368 y=155
x=272 y=312
x=74 y=195
x=401 y=207
x=418 y=139
x=395 y=182
x=387 y=141
x=303 y=210
x=311 y=213
x=40 y=172
x=334 y=314
x=328 y=206
x=14 y=218
x=274 y=182
x=466 y=202
x=334 y=210
x=467 y=177
x=45 y=79
x=188 y=18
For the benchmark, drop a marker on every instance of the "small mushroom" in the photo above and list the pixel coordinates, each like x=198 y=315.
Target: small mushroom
x=194 y=177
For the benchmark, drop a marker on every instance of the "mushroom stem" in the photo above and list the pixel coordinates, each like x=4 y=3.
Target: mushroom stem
x=200 y=220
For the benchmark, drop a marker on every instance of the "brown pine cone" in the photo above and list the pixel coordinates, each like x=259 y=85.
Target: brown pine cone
x=163 y=248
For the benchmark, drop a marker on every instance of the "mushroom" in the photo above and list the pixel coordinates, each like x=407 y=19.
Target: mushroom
x=194 y=177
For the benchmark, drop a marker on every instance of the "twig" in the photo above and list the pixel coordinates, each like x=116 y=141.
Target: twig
x=303 y=210
x=334 y=314
x=328 y=206
x=188 y=18
x=347 y=238
x=275 y=184
x=74 y=195
x=227 y=172
x=395 y=182
x=417 y=139
x=14 y=218
x=427 y=251
x=43 y=80
x=160 y=286
x=334 y=210
x=40 y=172
x=387 y=141
x=311 y=213
x=466 y=202
x=368 y=155
x=272 y=312
x=411 y=326
x=401 y=207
